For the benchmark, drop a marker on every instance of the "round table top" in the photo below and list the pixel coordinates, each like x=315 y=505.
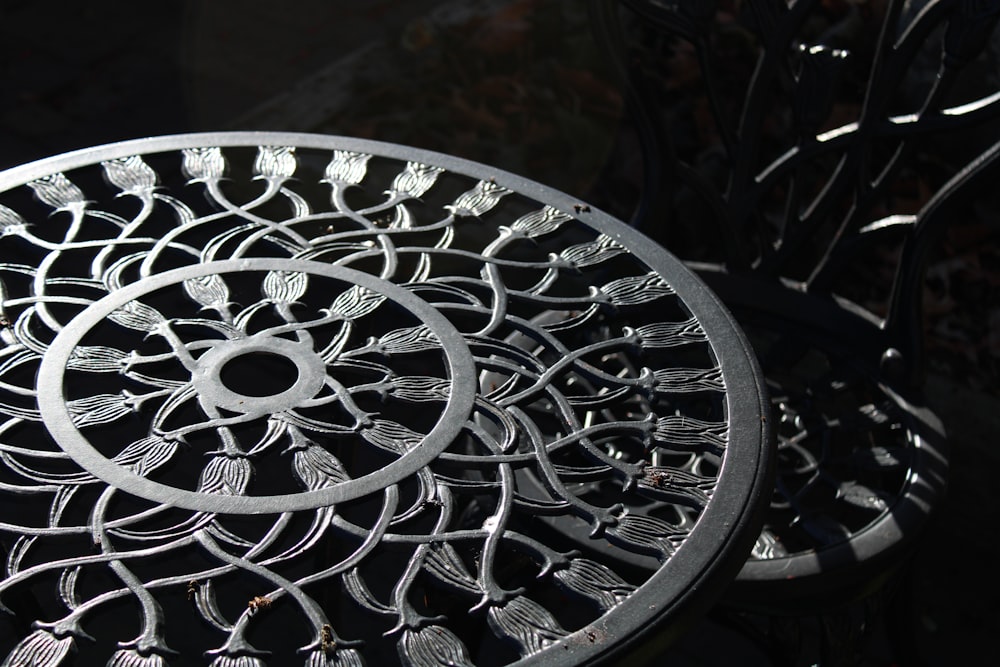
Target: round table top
x=271 y=398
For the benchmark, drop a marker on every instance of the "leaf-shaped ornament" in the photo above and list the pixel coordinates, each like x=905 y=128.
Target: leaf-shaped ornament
x=432 y=646
x=526 y=623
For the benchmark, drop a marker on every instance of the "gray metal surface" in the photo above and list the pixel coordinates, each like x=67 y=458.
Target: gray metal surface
x=280 y=398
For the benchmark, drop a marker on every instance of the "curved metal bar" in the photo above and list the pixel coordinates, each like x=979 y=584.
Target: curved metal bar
x=904 y=320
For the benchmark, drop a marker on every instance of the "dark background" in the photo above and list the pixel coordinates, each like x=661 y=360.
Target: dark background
x=519 y=84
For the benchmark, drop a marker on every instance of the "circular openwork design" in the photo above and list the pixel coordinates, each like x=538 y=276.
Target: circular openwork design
x=274 y=398
x=857 y=467
x=177 y=360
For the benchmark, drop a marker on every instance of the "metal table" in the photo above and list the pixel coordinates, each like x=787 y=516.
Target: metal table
x=283 y=398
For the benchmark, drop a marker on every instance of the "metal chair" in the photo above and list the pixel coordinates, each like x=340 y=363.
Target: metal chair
x=805 y=162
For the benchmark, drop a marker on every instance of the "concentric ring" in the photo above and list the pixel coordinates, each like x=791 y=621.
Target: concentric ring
x=58 y=420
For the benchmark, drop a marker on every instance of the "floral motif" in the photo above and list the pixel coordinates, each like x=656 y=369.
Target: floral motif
x=131 y=174
x=40 y=649
x=203 y=163
x=185 y=469
x=346 y=168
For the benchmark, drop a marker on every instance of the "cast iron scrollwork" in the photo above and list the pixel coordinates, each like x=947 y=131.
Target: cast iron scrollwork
x=824 y=149
x=301 y=387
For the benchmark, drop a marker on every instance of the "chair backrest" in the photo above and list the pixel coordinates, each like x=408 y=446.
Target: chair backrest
x=816 y=147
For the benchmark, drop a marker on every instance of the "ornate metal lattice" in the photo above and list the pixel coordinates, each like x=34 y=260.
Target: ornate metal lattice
x=845 y=447
x=823 y=148
x=339 y=402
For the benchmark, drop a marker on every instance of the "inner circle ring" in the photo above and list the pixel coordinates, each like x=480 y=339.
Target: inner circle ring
x=209 y=385
x=56 y=416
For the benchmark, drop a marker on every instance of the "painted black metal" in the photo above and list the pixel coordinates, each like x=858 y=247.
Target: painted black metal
x=282 y=398
x=798 y=199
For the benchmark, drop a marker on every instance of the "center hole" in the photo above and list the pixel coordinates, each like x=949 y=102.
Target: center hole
x=259 y=374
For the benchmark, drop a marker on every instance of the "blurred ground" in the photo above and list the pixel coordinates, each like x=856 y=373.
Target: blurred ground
x=518 y=84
